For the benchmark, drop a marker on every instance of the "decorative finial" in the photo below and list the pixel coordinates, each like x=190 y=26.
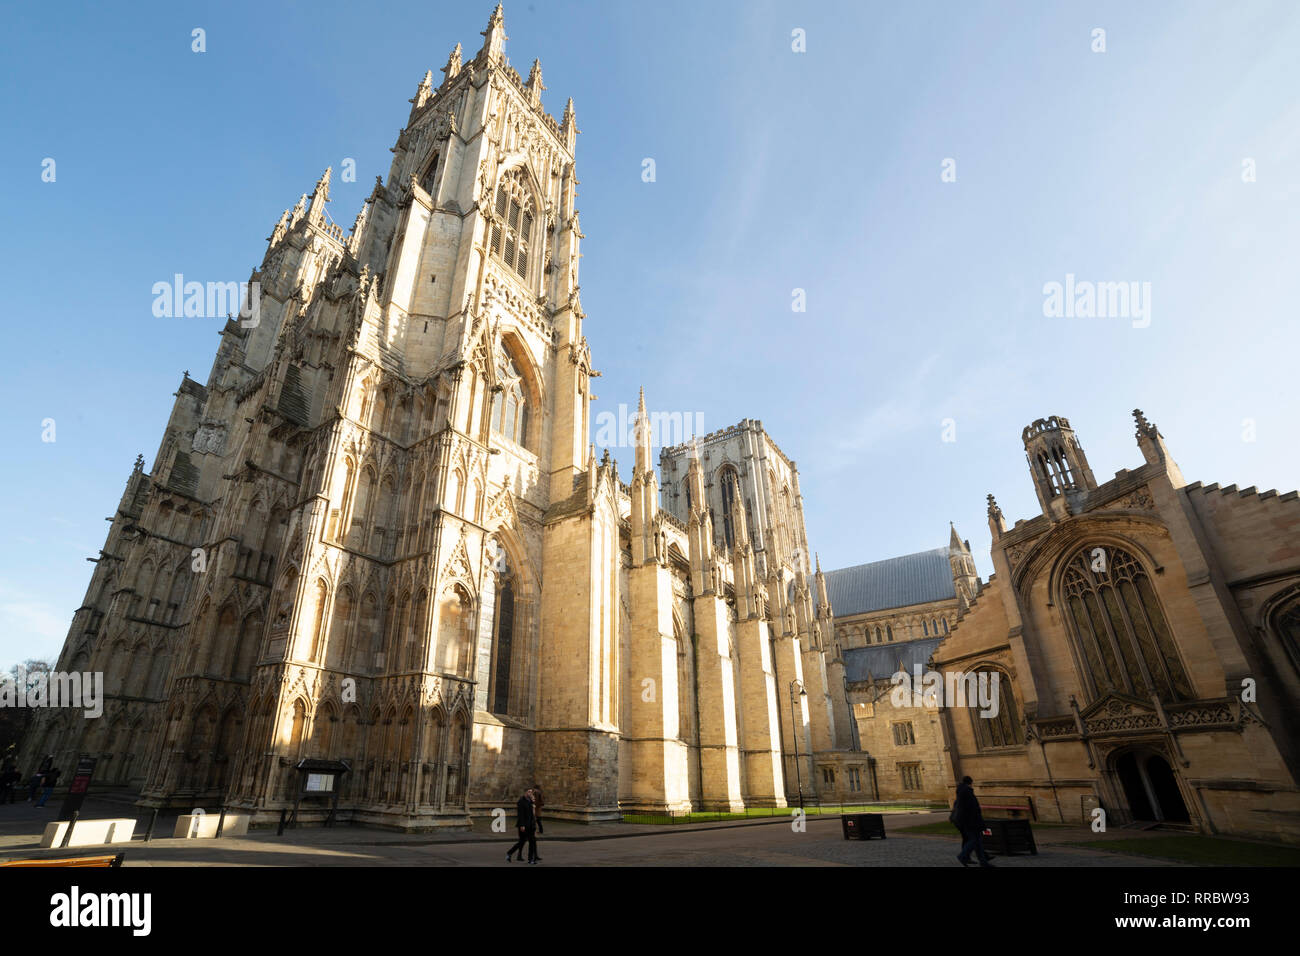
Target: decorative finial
x=139 y=459
x=453 y=63
x=535 y=77
x=1144 y=427
x=994 y=510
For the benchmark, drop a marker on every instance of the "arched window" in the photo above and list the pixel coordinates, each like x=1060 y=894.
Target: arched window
x=359 y=511
x=430 y=174
x=510 y=410
x=730 y=487
x=318 y=621
x=503 y=633
x=889 y=632
x=512 y=222
x=1285 y=620
x=945 y=625
x=245 y=652
x=878 y=636
x=454 y=626
x=925 y=628
x=414 y=645
x=338 y=632
x=1000 y=725
x=1125 y=641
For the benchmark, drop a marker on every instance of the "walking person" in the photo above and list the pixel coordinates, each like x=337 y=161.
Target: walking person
x=537 y=819
x=48 y=783
x=967 y=817
x=46 y=764
x=525 y=824
x=9 y=778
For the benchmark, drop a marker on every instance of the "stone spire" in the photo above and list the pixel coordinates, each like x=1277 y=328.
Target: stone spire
x=997 y=523
x=642 y=432
x=452 y=69
x=1154 y=449
x=494 y=37
x=423 y=91
x=534 y=84
x=280 y=228
x=321 y=195
x=644 y=493
x=823 y=599
x=569 y=126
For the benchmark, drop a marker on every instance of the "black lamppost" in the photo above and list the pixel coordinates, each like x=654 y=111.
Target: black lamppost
x=795 y=727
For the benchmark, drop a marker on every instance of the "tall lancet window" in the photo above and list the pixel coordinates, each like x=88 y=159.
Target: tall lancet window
x=729 y=489
x=503 y=634
x=430 y=175
x=512 y=224
x=510 y=410
x=1122 y=633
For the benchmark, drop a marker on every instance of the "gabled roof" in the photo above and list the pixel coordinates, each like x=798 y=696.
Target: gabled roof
x=895 y=582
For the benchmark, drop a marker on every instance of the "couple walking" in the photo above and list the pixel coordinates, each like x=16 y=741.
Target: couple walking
x=528 y=822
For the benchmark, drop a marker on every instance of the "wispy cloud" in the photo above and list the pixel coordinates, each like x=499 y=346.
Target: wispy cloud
x=28 y=627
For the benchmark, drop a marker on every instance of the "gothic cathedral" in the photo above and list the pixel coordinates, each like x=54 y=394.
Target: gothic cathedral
x=378 y=535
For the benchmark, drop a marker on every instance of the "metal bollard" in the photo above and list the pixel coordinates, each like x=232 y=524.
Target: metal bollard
x=221 y=822
x=148 y=834
x=280 y=831
x=67 y=837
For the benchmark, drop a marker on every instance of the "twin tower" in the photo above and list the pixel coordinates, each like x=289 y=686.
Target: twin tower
x=378 y=536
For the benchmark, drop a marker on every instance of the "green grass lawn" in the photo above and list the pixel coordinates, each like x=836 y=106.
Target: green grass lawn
x=772 y=812
x=1201 y=850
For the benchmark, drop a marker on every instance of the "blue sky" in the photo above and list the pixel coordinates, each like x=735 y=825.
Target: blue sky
x=775 y=170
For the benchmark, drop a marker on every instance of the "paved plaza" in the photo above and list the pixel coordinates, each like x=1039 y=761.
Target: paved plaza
x=763 y=842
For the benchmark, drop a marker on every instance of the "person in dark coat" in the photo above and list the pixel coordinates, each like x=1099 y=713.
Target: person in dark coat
x=967 y=817
x=9 y=778
x=48 y=783
x=537 y=817
x=526 y=825
x=38 y=776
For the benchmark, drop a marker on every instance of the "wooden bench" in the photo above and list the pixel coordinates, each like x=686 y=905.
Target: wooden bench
x=99 y=861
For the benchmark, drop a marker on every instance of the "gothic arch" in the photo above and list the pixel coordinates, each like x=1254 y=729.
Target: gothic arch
x=455 y=630
x=1121 y=638
x=1048 y=554
x=1004 y=728
x=516 y=229
x=518 y=394
x=1279 y=619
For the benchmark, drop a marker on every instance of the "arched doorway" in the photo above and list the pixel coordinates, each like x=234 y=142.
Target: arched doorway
x=1150 y=787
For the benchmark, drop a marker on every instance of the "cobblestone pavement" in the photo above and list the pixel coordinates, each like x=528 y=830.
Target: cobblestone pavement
x=760 y=842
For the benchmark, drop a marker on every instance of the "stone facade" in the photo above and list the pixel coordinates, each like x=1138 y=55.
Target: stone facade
x=378 y=533
x=1146 y=632
x=889 y=617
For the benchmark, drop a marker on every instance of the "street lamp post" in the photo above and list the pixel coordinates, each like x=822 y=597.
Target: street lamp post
x=795 y=727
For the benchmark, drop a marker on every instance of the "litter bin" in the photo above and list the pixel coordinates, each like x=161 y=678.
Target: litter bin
x=862 y=826
x=1007 y=837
